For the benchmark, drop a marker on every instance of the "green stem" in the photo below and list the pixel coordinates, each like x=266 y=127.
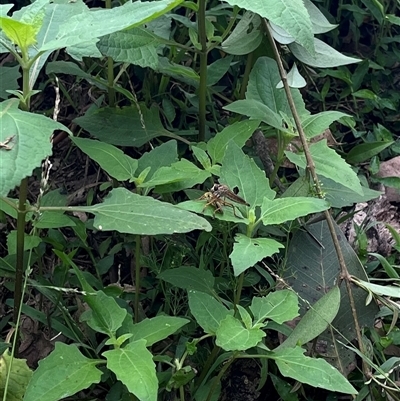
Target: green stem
x=201 y=21
x=19 y=268
x=239 y=288
x=137 y=279
x=246 y=75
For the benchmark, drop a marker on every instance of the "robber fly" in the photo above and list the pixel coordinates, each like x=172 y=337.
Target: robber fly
x=217 y=195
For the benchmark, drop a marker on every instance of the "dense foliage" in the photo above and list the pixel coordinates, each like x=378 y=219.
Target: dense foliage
x=178 y=236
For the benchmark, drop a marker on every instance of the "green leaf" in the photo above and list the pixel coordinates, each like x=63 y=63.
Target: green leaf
x=20 y=375
x=325 y=55
x=28 y=137
x=30 y=242
x=386 y=290
x=245 y=37
x=180 y=175
x=189 y=278
x=161 y=156
x=238 y=132
x=105 y=316
x=127 y=212
x=96 y=23
x=70 y=68
x=239 y=171
x=290 y=15
x=217 y=69
x=202 y=157
x=318 y=123
x=319 y=23
x=262 y=87
x=315 y=372
x=339 y=196
x=134 y=367
x=315 y=321
x=136 y=46
x=365 y=151
x=329 y=164
x=54 y=15
x=278 y=211
x=233 y=336
x=207 y=311
x=70 y=373
x=123 y=126
x=248 y=251
x=11 y=76
x=111 y=159
x=20 y=33
x=279 y=306
x=255 y=110
x=157 y=328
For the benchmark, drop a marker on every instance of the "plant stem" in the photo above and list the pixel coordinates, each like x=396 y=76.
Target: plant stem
x=201 y=26
x=19 y=268
x=344 y=273
x=137 y=279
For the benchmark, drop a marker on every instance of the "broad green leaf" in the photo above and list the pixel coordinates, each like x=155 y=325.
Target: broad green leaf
x=156 y=329
x=279 y=306
x=70 y=373
x=111 y=159
x=202 y=157
x=336 y=195
x=278 y=211
x=315 y=321
x=105 y=316
x=233 y=336
x=318 y=20
x=127 y=212
x=248 y=251
x=245 y=37
x=28 y=137
x=161 y=156
x=256 y=110
x=97 y=23
x=123 y=126
x=386 y=290
x=54 y=15
x=134 y=367
x=20 y=375
x=207 y=311
x=239 y=171
x=365 y=151
x=316 y=372
x=11 y=76
x=53 y=219
x=180 y=72
x=136 y=46
x=312 y=268
x=325 y=55
x=294 y=79
x=238 y=132
x=189 y=278
x=21 y=34
x=217 y=69
x=262 y=87
x=30 y=242
x=290 y=15
x=70 y=68
x=180 y=175
x=328 y=164
x=316 y=124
